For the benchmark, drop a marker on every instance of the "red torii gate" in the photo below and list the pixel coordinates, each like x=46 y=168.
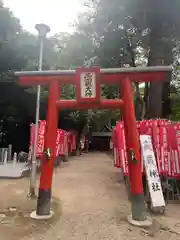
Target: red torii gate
x=88 y=96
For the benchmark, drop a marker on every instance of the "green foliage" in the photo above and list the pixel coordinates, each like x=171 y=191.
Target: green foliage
x=119 y=33
x=68 y=91
x=175 y=99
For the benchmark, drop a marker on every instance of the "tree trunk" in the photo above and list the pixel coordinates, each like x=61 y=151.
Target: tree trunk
x=155 y=100
x=78 y=138
x=145 y=101
x=156 y=88
x=139 y=105
x=80 y=128
x=160 y=54
x=139 y=102
x=166 y=109
x=159 y=101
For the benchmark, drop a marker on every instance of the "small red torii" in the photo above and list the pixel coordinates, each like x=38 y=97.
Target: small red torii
x=88 y=96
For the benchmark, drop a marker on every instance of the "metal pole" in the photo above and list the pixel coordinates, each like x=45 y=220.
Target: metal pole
x=9 y=152
x=33 y=169
x=5 y=156
x=2 y=155
x=14 y=159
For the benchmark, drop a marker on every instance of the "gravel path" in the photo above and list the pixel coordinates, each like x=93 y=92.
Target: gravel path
x=93 y=204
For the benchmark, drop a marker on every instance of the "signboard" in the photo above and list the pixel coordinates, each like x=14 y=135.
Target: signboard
x=152 y=175
x=88 y=84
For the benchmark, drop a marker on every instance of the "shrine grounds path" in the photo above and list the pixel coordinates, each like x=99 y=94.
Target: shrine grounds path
x=90 y=202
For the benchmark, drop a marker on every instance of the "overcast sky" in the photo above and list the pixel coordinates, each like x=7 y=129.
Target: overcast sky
x=56 y=13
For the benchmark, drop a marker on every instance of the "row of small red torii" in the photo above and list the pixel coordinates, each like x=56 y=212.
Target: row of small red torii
x=166 y=143
x=165 y=137
x=83 y=78
x=65 y=141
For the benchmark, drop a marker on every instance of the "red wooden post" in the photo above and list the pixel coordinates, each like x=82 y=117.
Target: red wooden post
x=133 y=151
x=44 y=198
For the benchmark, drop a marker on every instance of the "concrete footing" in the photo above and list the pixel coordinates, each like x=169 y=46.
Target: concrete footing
x=11 y=170
x=41 y=217
x=145 y=223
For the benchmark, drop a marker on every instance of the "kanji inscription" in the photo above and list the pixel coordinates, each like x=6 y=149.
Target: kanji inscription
x=152 y=175
x=88 y=85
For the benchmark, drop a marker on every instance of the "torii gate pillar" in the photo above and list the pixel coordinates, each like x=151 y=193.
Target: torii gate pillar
x=44 y=197
x=133 y=147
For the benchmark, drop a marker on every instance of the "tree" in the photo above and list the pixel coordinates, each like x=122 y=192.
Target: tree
x=110 y=34
x=78 y=50
x=119 y=28
x=16 y=105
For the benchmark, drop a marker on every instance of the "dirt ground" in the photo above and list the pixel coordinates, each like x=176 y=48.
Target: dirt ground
x=89 y=201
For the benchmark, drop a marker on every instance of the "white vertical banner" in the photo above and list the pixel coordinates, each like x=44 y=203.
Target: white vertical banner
x=152 y=175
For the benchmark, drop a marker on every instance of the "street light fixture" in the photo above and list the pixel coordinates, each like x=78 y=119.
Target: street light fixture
x=42 y=29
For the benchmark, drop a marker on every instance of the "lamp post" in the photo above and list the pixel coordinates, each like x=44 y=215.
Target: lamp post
x=42 y=29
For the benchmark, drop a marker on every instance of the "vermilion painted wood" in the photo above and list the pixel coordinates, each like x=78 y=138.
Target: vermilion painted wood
x=104 y=78
x=45 y=80
x=50 y=136
x=103 y=104
x=131 y=136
